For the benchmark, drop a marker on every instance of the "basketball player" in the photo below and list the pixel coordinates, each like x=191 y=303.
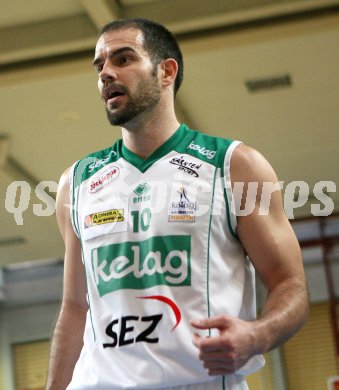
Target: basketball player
x=159 y=270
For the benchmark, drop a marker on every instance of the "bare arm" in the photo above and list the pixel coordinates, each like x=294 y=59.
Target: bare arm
x=274 y=251
x=276 y=256
x=68 y=334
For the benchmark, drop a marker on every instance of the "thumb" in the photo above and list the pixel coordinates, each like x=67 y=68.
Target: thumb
x=219 y=322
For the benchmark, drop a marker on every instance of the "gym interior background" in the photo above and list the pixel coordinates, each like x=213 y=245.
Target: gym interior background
x=262 y=71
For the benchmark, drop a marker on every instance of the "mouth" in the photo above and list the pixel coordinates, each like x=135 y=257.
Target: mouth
x=111 y=94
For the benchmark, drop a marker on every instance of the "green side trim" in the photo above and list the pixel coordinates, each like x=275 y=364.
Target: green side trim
x=74 y=204
x=228 y=211
x=88 y=296
x=208 y=251
x=228 y=215
x=164 y=149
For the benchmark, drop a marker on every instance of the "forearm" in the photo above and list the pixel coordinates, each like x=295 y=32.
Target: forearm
x=284 y=313
x=65 y=349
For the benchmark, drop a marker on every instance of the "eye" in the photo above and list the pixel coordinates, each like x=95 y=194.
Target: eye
x=98 y=68
x=123 y=60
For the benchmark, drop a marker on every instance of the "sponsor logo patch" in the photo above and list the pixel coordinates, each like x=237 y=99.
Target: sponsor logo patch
x=186 y=166
x=132 y=329
x=202 y=150
x=103 y=217
x=142 y=191
x=182 y=211
x=103 y=178
x=159 y=260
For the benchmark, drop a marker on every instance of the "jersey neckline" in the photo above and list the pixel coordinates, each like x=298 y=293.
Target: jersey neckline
x=165 y=148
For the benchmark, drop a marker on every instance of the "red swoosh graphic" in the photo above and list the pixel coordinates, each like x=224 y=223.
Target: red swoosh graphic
x=169 y=302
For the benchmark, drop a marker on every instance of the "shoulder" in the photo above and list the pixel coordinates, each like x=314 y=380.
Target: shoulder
x=63 y=202
x=63 y=186
x=256 y=188
x=206 y=147
x=249 y=165
x=93 y=162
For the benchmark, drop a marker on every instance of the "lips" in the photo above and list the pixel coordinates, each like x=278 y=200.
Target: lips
x=111 y=93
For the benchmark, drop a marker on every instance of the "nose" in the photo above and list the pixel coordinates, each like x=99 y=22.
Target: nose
x=107 y=73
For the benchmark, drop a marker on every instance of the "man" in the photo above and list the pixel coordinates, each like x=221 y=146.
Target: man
x=152 y=240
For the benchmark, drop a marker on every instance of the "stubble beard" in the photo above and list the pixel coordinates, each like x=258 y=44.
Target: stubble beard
x=147 y=96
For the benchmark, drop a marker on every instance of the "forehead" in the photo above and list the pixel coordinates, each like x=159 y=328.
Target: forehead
x=112 y=40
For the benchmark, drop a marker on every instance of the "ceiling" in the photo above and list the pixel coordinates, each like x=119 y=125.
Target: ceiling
x=51 y=113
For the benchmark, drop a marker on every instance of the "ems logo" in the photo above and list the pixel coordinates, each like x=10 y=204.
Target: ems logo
x=182 y=211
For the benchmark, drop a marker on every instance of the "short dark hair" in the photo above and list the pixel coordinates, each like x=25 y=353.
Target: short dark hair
x=158 y=42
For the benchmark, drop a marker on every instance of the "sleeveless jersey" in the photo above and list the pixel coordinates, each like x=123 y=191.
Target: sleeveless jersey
x=159 y=248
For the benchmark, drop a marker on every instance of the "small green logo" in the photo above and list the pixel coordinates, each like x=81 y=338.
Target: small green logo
x=142 y=189
x=139 y=265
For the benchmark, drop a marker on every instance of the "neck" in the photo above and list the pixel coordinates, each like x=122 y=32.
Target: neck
x=150 y=130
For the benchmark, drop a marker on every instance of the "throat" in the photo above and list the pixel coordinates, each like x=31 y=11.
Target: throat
x=145 y=141
x=143 y=146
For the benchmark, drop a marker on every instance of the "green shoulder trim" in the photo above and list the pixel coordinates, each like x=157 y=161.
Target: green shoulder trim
x=227 y=200
x=205 y=147
x=92 y=163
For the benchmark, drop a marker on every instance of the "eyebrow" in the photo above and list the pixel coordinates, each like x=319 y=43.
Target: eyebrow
x=114 y=53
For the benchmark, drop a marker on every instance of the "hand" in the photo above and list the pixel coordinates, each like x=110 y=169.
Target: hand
x=230 y=350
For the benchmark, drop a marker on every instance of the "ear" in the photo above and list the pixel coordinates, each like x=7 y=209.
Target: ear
x=168 y=72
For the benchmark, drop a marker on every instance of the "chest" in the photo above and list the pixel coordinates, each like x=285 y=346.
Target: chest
x=175 y=195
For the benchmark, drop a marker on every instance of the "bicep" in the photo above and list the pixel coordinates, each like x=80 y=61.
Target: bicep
x=266 y=233
x=272 y=248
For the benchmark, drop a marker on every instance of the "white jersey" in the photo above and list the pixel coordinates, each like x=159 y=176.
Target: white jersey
x=159 y=248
